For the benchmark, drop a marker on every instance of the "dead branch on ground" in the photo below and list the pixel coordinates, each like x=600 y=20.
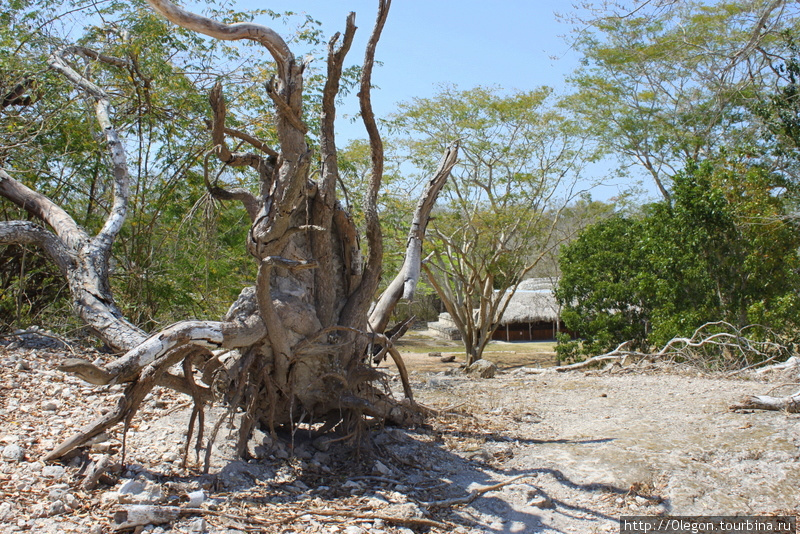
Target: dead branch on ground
x=717 y=344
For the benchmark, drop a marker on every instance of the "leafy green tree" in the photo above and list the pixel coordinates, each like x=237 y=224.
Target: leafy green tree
x=520 y=160
x=667 y=83
x=606 y=287
x=778 y=108
x=721 y=251
x=728 y=252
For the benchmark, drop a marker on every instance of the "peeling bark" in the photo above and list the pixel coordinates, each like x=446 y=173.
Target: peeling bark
x=81 y=257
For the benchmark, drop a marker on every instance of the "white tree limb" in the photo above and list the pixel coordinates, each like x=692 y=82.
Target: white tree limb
x=405 y=282
x=227 y=32
x=38 y=205
x=28 y=233
x=119 y=209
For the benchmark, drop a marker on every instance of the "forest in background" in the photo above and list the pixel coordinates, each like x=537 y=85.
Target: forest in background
x=700 y=99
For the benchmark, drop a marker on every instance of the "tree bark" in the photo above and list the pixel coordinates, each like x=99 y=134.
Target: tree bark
x=405 y=282
x=83 y=259
x=299 y=336
x=790 y=403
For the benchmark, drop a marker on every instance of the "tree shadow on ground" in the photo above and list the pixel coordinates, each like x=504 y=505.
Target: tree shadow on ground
x=405 y=477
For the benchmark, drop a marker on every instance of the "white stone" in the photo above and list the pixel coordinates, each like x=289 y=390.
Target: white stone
x=131 y=487
x=13 y=452
x=541 y=501
x=196 y=498
x=482 y=368
x=381 y=468
x=56 y=508
x=198 y=525
x=53 y=471
x=71 y=501
x=6 y=511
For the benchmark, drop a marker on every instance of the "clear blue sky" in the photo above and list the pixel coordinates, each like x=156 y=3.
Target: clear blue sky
x=513 y=44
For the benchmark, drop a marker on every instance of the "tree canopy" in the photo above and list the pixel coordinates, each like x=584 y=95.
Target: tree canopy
x=661 y=84
x=722 y=250
x=520 y=161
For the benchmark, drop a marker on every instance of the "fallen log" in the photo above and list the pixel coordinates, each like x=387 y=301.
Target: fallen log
x=789 y=403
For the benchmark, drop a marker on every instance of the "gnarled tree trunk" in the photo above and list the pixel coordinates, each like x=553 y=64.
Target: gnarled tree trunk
x=294 y=347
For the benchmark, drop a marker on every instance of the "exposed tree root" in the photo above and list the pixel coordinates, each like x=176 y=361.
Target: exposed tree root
x=127 y=405
x=474 y=494
x=246 y=382
x=790 y=403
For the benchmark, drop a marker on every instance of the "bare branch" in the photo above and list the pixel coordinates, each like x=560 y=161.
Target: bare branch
x=757 y=35
x=328 y=153
x=359 y=300
x=249 y=201
x=28 y=233
x=375 y=141
x=731 y=343
x=255 y=143
x=788 y=404
x=119 y=210
x=218 y=131
x=97 y=56
x=38 y=205
x=286 y=110
x=405 y=282
x=226 y=32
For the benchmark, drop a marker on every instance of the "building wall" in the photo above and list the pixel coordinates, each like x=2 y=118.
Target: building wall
x=534 y=331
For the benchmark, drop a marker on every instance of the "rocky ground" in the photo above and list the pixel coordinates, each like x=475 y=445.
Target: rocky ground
x=526 y=451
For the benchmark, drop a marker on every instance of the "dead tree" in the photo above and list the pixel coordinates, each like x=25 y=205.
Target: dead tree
x=788 y=403
x=294 y=347
x=81 y=258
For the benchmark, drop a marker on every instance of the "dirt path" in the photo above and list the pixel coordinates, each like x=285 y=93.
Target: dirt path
x=588 y=447
x=603 y=446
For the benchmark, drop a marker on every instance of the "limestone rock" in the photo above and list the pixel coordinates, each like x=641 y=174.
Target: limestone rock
x=482 y=368
x=13 y=453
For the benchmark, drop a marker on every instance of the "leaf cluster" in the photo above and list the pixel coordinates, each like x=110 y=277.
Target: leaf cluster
x=723 y=250
x=179 y=252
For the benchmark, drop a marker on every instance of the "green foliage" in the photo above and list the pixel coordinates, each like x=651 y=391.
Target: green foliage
x=179 y=254
x=30 y=292
x=672 y=82
x=779 y=110
x=605 y=285
x=722 y=251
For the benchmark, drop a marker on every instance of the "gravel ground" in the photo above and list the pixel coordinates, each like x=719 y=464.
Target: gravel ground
x=564 y=452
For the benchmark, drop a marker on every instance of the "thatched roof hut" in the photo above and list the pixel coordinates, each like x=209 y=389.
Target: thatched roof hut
x=533 y=301
x=532 y=314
